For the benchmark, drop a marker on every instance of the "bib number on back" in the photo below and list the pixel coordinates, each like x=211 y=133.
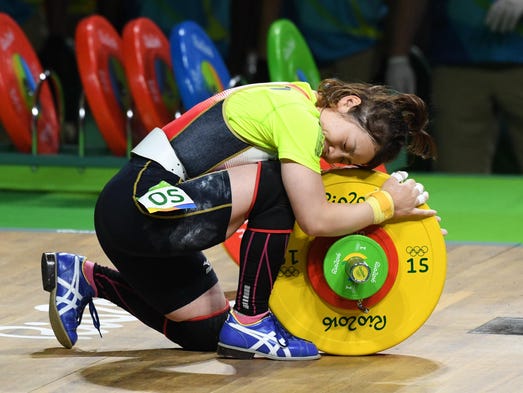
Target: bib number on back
x=165 y=197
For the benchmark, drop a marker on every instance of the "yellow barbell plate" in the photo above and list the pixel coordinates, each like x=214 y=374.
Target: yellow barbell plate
x=402 y=311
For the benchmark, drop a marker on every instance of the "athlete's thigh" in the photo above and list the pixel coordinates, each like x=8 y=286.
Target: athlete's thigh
x=222 y=201
x=243 y=180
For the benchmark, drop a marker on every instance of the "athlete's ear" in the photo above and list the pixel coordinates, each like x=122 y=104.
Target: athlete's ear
x=348 y=102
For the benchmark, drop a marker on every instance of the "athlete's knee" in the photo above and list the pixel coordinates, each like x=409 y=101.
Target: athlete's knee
x=200 y=334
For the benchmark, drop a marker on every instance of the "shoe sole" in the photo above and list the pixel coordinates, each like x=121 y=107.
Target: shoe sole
x=49 y=266
x=231 y=352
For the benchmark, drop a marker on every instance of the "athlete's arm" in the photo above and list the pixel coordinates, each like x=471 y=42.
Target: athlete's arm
x=317 y=217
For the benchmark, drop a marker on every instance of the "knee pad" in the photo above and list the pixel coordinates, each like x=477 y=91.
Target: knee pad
x=271 y=208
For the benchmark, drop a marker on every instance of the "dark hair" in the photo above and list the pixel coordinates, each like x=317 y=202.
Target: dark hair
x=392 y=119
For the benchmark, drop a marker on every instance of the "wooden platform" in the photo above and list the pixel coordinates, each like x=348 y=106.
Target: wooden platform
x=484 y=282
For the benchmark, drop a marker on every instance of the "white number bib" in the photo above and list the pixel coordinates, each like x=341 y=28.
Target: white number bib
x=165 y=197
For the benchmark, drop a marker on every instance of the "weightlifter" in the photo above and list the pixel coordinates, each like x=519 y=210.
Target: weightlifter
x=249 y=153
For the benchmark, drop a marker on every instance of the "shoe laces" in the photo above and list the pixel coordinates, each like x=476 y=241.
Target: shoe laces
x=94 y=317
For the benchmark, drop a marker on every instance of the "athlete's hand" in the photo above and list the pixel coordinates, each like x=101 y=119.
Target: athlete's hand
x=503 y=15
x=407 y=195
x=399 y=74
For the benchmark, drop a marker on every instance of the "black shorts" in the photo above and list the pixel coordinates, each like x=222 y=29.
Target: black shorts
x=159 y=254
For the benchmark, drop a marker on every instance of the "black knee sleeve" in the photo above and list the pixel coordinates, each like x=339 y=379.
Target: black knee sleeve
x=271 y=209
x=199 y=335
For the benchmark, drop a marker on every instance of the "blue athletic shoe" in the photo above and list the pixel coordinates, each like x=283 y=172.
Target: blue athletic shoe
x=63 y=277
x=266 y=338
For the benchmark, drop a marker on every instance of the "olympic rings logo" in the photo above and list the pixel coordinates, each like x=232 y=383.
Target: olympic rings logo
x=417 y=250
x=288 y=271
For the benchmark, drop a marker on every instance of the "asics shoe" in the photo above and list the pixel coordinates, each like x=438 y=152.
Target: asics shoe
x=266 y=338
x=63 y=277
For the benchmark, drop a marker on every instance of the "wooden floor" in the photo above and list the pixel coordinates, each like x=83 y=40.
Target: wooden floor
x=484 y=282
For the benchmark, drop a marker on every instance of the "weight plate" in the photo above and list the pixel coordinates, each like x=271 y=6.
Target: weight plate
x=100 y=64
x=148 y=67
x=199 y=68
x=396 y=314
x=20 y=71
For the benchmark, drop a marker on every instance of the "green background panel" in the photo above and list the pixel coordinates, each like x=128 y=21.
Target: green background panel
x=472 y=208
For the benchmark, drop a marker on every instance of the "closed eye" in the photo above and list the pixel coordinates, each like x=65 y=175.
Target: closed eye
x=350 y=151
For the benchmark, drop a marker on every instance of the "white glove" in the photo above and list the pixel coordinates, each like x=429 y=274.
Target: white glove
x=503 y=15
x=399 y=74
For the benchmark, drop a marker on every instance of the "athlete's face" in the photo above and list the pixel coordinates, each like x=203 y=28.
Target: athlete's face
x=346 y=142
